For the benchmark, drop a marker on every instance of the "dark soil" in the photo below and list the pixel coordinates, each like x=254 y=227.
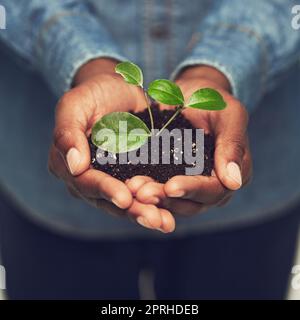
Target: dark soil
x=159 y=172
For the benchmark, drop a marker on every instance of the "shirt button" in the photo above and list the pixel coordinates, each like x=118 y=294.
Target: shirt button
x=159 y=31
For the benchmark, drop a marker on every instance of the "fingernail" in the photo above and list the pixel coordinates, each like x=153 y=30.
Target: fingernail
x=234 y=173
x=73 y=159
x=176 y=193
x=155 y=200
x=161 y=230
x=116 y=203
x=143 y=222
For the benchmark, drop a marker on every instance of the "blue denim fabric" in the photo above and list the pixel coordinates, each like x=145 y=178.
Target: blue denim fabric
x=56 y=37
x=252 y=42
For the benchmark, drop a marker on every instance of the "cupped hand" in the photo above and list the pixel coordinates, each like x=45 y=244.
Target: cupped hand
x=98 y=91
x=188 y=195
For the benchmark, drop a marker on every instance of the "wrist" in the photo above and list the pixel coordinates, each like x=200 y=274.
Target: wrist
x=206 y=73
x=94 y=67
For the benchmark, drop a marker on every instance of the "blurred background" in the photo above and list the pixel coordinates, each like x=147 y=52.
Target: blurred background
x=292 y=293
x=266 y=67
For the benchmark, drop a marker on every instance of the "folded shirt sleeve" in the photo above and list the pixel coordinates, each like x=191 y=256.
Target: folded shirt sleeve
x=252 y=43
x=56 y=37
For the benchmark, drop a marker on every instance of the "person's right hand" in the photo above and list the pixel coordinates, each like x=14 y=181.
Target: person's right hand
x=97 y=91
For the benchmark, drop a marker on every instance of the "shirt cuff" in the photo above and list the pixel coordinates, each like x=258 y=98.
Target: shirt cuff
x=239 y=53
x=66 y=42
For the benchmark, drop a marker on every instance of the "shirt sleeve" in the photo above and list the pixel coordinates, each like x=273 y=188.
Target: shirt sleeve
x=56 y=37
x=251 y=42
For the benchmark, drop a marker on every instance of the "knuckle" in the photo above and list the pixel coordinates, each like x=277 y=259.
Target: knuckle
x=235 y=146
x=232 y=147
x=60 y=135
x=238 y=148
x=243 y=113
x=66 y=99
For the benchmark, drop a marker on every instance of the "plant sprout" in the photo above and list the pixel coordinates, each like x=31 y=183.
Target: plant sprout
x=167 y=92
x=161 y=90
x=132 y=74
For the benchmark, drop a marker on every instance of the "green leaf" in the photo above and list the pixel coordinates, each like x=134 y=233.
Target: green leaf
x=167 y=92
x=119 y=132
x=130 y=72
x=207 y=99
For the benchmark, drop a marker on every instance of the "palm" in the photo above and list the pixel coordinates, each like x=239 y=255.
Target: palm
x=108 y=94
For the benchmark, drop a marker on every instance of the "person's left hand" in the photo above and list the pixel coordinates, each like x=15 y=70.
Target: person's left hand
x=188 y=195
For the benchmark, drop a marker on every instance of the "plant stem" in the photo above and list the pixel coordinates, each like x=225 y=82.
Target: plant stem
x=179 y=109
x=149 y=109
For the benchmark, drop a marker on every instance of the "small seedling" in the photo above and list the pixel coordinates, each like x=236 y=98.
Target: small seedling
x=161 y=90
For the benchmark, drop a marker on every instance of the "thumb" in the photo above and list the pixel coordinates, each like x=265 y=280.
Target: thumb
x=228 y=163
x=71 y=124
x=231 y=145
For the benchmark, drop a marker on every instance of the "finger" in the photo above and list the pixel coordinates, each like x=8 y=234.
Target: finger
x=92 y=183
x=99 y=185
x=144 y=195
x=201 y=189
x=56 y=164
x=135 y=183
x=231 y=144
x=137 y=214
x=168 y=221
x=185 y=208
x=228 y=163
x=151 y=193
x=58 y=168
x=146 y=215
x=71 y=124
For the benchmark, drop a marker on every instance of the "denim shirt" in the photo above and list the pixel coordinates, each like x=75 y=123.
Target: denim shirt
x=251 y=42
